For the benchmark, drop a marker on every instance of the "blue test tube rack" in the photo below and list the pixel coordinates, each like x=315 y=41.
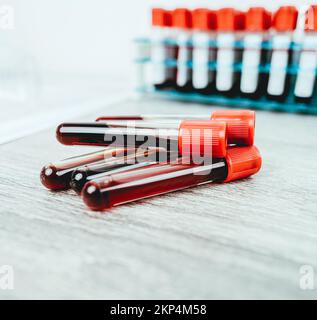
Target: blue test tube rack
x=289 y=104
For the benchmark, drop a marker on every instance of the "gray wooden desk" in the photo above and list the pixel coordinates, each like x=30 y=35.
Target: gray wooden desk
x=245 y=239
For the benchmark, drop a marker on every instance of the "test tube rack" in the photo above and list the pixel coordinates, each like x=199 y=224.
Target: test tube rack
x=144 y=86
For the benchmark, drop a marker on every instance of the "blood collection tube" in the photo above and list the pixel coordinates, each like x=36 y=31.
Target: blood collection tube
x=257 y=23
x=56 y=176
x=182 y=24
x=161 y=48
x=116 y=189
x=230 y=23
x=192 y=137
x=141 y=158
x=305 y=85
x=240 y=123
x=204 y=52
x=284 y=24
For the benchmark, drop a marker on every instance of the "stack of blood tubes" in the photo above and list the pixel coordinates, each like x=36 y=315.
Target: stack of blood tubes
x=150 y=155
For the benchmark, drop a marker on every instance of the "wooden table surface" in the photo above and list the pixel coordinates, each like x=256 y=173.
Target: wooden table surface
x=245 y=239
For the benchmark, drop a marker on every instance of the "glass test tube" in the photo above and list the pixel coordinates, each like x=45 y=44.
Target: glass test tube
x=194 y=137
x=305 y=84
x=204 y=34
x=229 y=23
x=182 y=24
x=240 y=123
x=161 y=51
x=253 y=82
x=57 y=175
x=116 y=189
x=141 y=158
x=284 y=24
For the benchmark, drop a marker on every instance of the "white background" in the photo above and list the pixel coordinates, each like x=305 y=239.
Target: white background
x=92 y=36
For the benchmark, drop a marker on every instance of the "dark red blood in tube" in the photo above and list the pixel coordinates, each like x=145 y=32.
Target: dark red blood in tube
x=142 y=158
x=241 y=162
x=100 y=134
x=197 y=137
x=151 y=181
x=240 y=123
x=56 y=176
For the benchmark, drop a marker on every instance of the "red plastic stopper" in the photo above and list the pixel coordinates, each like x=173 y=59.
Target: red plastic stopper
x=229 y=19
x=161 y=17
x=257 y=19
x=182 y=18
x=242 y=162
x=240 y=125
x=204 y=19
x=311 y=19
x=203 y=138
x=285 y=19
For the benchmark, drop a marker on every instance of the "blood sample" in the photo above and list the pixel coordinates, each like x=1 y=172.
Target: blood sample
x=240 y=123
x=284 y=23
x=116 y=189
x=161 y=50
x=141 y=158
x=193 y=137
x=182 y=24
x=258 y=21
x=229 y=23
x=56 y=176
x=204 y=25
x=305 y=85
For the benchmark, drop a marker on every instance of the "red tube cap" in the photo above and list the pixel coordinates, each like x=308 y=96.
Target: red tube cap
x=203 y=138
x=229 y=19
x=204 y=19
x=285 y=19
x=161 y=17
x=257 y=19
x=182 y=18
x=240 y=125
x=311 y=19
x=242 y=162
